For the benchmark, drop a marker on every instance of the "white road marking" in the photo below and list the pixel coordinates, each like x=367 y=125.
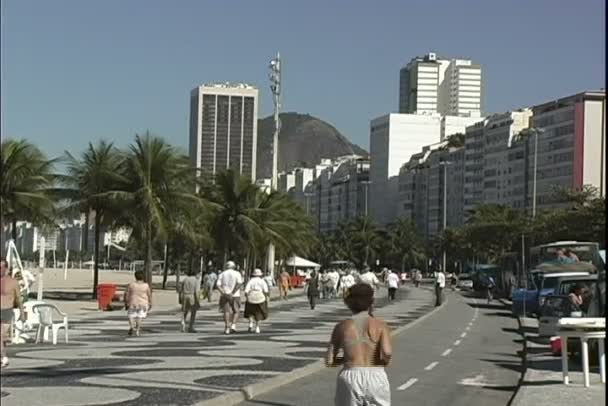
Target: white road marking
x=468 y=328
x=408 y=384
x=457 y=342
x=463 y=335
x=477 y=380
x=431 y=366
x=446 y=352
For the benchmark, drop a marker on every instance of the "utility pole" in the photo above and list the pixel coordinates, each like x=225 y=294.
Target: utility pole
x=445 y=208
x=275 y=87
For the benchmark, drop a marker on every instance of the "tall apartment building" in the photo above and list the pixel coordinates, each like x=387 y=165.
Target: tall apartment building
x=339 y=192
x=223 y=128
x=424 y=181
x=394 y=139
x=496 y=165
x=572 y=147
x=451 y=87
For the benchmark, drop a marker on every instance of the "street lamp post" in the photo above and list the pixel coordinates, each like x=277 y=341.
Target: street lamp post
x=445 y=207
x=275 y=87
x=535 y=131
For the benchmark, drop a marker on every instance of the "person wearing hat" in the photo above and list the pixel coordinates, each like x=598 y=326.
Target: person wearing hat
x=229 y=284
x=256 y=305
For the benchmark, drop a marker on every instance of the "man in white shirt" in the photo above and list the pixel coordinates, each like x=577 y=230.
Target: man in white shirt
x=268 y=280
x=348 y=280
x=229 y=284
x=439 y=285
x=392 y=281
x=369 y=278
x=332 y=284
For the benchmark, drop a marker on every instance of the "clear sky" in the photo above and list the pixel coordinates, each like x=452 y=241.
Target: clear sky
x=79 y=70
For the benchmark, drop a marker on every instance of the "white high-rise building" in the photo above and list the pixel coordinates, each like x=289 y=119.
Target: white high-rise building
x=394 y=138
x=223 y=128
x=451 y=87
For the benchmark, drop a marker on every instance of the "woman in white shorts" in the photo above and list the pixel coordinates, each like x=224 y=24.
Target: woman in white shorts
x=138 y=302
x=366 y=344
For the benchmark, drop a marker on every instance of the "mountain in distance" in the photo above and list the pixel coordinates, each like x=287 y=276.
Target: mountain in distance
x=303 y=141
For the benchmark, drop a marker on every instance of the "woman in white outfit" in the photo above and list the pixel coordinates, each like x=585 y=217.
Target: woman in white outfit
x=256 y=306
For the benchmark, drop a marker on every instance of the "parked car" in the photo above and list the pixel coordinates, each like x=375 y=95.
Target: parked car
x=542 y=282
x=465 y=281
x=558 y=305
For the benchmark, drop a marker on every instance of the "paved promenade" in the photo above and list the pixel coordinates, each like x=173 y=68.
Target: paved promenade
x=542 y=383
x=102 y=365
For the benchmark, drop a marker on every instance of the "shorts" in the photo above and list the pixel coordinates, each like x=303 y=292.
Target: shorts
x=189 y=302
x=230 y=304
x=137 y=312
x=363 y=386
x=7 y=316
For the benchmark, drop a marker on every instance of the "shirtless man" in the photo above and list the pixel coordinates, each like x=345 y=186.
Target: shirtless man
x=366 y=344
x=10 y=298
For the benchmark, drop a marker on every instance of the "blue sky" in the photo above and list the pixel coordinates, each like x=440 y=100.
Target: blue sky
x=74 y=71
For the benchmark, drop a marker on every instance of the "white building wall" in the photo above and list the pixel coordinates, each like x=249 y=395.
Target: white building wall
x=454 y=124
x=394 y=139
x=594 y=147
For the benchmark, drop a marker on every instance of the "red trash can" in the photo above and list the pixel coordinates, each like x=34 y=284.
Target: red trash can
x=105 y=294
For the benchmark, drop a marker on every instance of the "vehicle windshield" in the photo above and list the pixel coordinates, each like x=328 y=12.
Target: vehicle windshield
x=586 y=252
x=549 y=283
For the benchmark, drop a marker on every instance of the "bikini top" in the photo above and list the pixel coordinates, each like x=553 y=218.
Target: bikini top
x=360 y=322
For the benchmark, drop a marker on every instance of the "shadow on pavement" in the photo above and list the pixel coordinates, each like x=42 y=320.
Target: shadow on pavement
x=500 y=314
x=65 y=295
x=510 y=365
x=542 y=383
x=498 y=306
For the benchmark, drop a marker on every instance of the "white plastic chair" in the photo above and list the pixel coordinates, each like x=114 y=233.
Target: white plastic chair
x=20 y=330
x=45 y=313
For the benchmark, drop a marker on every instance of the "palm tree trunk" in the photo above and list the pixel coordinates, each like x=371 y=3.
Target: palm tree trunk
x=14 y=230
x=166 y=267
x=148 y=259
x=85 y=233
x=96 y=258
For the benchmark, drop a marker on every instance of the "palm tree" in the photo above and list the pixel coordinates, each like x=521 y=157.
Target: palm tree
x=249 y=219
x=405 y=243
x=158 y=179
x=88 y=184
x=26 y=181
x=363 y=236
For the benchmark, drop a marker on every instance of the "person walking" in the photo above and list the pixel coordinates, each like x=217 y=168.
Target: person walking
x=284 y=284
x=392 y=280
x=348 y=281
x=268 y=280
x=439 y=286
x=369 y=278
x=209 y=282
x=10 y=298
x=333 y=278
x=229 y=284
x=417 y=278
x=367 y=346
x=490 y=287
x=312 y=289
x=324 y=278
x=138 y=302
x=189 y=293
x=256 y=304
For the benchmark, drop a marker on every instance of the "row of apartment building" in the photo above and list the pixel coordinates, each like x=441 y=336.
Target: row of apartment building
x=566 y=137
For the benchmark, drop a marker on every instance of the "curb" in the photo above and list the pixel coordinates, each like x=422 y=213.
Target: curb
x=250 y=391
x=518 y=394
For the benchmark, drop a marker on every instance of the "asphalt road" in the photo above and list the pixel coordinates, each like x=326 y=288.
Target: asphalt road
x=466 y=353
